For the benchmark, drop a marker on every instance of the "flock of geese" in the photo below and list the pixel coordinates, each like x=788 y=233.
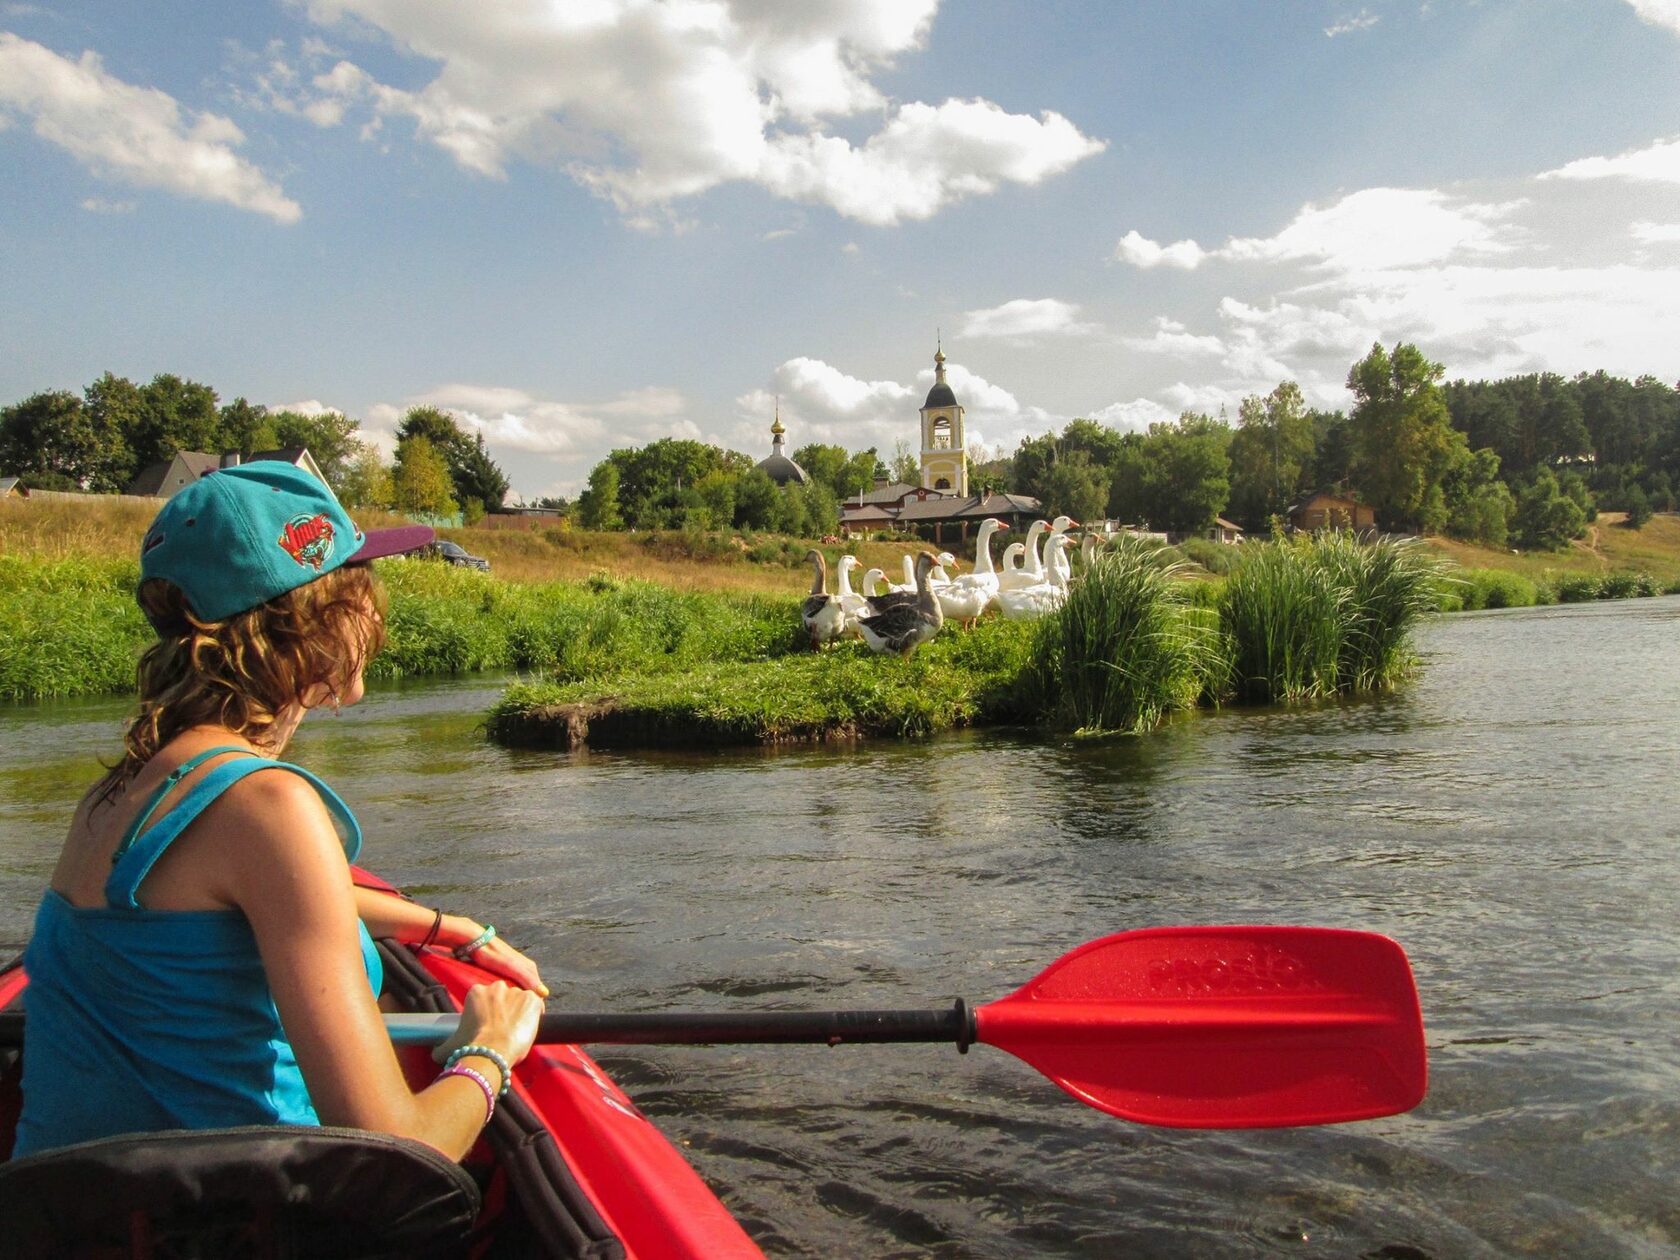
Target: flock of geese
x=1032 y=582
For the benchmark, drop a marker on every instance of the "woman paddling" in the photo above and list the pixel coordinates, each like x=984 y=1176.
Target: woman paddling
x=201 y=959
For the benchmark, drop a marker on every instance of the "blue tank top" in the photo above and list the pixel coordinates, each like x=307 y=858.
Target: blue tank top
x=141 y=1020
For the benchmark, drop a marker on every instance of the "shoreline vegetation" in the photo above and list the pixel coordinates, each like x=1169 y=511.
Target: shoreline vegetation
x=714 y=653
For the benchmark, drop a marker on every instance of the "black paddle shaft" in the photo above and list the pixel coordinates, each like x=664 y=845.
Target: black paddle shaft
x=760 y=1027
x=724 y=1027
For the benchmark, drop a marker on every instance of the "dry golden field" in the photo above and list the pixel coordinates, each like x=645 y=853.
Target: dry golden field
x=112 y=526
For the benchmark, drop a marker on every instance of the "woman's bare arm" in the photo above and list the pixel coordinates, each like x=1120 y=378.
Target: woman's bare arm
x=289 y=877
x=409 y=922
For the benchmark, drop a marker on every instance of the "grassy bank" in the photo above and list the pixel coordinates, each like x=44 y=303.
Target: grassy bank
x=1126 y=650
x=1137 y=642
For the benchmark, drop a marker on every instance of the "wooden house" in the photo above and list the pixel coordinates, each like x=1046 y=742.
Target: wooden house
x=1328 y=510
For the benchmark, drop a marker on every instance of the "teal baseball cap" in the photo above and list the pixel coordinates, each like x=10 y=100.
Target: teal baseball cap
x=241 y=536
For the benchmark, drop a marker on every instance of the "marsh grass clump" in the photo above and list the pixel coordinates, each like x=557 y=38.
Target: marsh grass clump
x=1311 y=617
x=1282 y=621
x=1123 y=651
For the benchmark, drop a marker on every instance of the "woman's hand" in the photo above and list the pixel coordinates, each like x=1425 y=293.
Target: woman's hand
x=499 y=1016
x=495 y=956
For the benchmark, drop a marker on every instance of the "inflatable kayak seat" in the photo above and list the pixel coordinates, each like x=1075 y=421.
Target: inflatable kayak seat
x=263 y=1191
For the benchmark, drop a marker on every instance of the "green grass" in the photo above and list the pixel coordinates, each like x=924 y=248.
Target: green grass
x=842 y=693
x=1321 y=616
x=1125 y=649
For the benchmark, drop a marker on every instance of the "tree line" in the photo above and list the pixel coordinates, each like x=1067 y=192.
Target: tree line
x=1525 y=460
x=98 y=441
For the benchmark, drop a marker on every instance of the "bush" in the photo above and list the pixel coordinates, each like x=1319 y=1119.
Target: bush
x=1576 y=588
x=1498 y=588
x=1216 y=558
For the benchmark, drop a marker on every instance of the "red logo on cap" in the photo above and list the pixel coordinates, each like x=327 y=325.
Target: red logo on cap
x=308 y=539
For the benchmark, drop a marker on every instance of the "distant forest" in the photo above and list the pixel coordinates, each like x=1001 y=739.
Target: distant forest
x=1524 y=461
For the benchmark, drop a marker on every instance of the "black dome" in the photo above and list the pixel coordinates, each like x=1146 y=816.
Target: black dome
x=940 y=396
x=782 y=470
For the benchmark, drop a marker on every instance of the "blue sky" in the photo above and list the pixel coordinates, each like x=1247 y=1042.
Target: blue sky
x=583 y=224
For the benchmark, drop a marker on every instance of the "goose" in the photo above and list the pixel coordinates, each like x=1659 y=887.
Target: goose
x=872 y=583
x=903 y=626
x=1031 y=571
x=1011 y=561
x=852 y=604
x=821 y=611
x=908 y=586
x=937 y=574
x=969 y=593
x=1088 y=550
x=1029 y=603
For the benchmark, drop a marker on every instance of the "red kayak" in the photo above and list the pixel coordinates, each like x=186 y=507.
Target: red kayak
x=1197 y=1027
x=568 y=1167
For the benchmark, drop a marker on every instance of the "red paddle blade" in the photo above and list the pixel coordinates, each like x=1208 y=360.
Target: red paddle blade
x=1224 y=1027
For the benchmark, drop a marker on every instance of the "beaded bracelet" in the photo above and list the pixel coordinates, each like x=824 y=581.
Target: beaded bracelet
x=472 y=1074
x=483 y=1052
x=465 y=952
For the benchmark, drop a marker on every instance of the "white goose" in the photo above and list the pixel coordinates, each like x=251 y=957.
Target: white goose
x=908 y=586
x=969 y=593
x=1029 y=603
x=1031 y=571
x=852 y=604
x=937 y=574
x=821 y=611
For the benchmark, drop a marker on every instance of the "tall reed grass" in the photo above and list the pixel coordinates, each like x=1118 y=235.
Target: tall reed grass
x=1311 y=617
x=1126 y=648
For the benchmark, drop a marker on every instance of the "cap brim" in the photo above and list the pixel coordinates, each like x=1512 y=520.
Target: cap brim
x=392 y=542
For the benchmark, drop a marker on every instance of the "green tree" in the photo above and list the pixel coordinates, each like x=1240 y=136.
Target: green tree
x=1271 y=456
x=1077 y=486
x=1185 y=473
x=1478 y=504
x=598 y=505
x=716 y=491
x=114 y=409
x=175 y=415
x=49 y=433
x=756 y=500
x=1403 y=439
x=906 y=464
x=367 y=481
x=1638 y=508
x=246 y=427
x=421 y=485
x=472 y=473
x=333 y=439
x=1546 y=518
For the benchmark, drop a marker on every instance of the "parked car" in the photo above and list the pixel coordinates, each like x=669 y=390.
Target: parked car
x=451 y=553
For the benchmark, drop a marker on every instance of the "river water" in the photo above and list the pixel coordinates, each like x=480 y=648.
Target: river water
x=1511 y=817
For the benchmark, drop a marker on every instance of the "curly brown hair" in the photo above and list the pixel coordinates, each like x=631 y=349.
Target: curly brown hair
x=243 y=671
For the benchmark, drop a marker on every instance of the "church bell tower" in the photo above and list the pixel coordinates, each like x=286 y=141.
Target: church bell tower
x=944 y=453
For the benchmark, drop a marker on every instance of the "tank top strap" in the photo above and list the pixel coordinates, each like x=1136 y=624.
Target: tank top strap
x=141 y=850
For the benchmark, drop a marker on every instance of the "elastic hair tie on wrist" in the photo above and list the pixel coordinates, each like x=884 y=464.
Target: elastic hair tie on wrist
x=477 y=1077
x=465 y=952
x=431 y=936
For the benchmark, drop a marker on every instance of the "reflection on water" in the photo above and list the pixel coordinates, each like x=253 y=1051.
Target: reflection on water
x=1511 y=818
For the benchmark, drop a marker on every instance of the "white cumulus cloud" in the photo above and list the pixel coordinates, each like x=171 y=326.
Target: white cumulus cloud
x=1654 y=233
x=1026 y=319
x=1138 y=250
x=132 y=135
x=1659 y=12
x=1658 y=163
x=650 y=103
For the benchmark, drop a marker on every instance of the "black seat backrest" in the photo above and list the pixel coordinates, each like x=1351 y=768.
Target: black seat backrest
x=275 y=1190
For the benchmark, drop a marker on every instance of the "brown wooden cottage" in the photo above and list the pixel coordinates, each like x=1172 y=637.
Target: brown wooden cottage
x=1326 y=510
